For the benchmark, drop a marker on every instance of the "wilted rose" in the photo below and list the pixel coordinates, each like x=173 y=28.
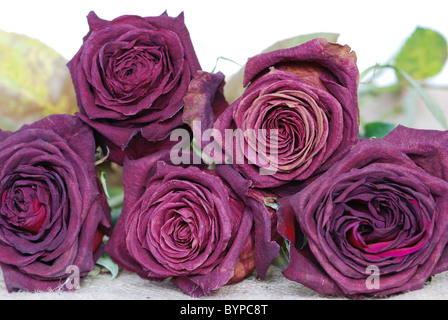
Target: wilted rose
x=188 y=224
x=53 y=212
x=376 y=223
x=130 y=76
x=297 y=116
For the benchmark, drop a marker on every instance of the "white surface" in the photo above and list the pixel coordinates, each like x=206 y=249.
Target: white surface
x=128 y=286
x=238 y=29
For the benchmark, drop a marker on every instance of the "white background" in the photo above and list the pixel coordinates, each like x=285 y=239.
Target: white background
x=239 y=29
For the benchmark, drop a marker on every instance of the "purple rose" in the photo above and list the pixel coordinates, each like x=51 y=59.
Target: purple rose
x=298 y=115
x=191 y=225
x=53 y=212
x=376 y=223
x=130 y=76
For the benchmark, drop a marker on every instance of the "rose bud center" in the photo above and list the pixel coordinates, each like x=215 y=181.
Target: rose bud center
x=21 y=207
x=382 y=224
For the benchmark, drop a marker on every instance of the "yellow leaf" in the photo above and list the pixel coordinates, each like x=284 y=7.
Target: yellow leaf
x=424 y=54
x=34 y=81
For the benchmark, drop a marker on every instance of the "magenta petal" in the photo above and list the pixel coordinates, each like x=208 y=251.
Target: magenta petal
x=16 y=280
x=266 y=249
x=306 y=271
x=338 y=59
x=4 y=134
x=425 y=147
x=203 y=103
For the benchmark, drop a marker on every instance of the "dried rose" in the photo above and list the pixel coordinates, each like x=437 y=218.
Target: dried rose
x=298 y=115
x=53 y=211
x=130 y=76
x=376 y=223
x=188 y=224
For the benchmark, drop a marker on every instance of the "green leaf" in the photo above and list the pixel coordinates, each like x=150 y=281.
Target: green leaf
x=423 y=55
x=282 y=260
x=378 y=129
x=116 y=192
x=104 y=184
x=115 y=198
x=106 y=262
x=234 y=85
x=114 y=195
x=271 y=202
x=34 y=81
x=304 y=242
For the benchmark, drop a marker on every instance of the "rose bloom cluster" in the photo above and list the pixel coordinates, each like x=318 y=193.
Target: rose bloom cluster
x=283 y=163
